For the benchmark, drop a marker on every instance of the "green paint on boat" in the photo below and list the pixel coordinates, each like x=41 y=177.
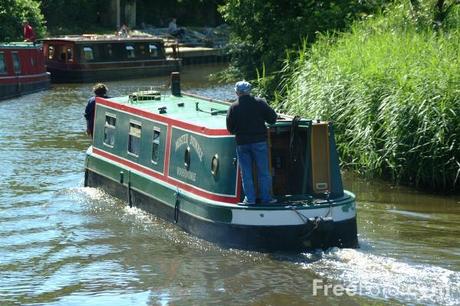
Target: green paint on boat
x=173 y=153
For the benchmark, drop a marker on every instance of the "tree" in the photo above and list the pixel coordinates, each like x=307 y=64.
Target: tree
x=262 y=30
x=70 y=16
x=442 y=10
x=13 y=12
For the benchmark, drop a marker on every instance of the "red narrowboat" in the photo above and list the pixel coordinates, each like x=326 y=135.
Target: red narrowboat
x=93 y=58
x=22 y=69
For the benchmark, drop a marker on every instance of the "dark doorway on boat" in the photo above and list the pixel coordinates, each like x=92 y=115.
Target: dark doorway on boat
x=290 y=162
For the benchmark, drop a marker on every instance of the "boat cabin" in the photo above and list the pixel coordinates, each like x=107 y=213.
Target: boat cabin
x=182 y=140
x=106 y=57
x=22 y=69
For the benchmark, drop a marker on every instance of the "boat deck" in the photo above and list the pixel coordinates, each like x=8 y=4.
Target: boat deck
x=197 y=55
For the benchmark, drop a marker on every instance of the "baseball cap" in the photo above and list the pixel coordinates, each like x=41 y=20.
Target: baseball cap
x=243 y=87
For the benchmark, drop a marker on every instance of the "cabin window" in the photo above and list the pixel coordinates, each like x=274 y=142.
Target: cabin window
x=88 y=53
x=2 y=63
x=141 y=49
x=156 y=145
x=109 y=130
x=153 y=50
x=130 y=51
x=50 y=52
x=109 y=50
x=16 y=62
x=69 y=54
x=32 y=61
x=134 y=140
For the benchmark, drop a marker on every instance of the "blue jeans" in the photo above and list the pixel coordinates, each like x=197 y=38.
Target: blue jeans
x=257 y=152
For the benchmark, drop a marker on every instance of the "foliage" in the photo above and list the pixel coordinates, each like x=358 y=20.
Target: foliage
x=264 y=29
x=86 y=16
x=188 y=12
x=13 y=12
x=391 y=85
x=75 y=16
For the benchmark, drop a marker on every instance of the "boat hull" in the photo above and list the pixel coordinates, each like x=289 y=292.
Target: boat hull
x=61 y=73
x=17 y=86
x=223 y=229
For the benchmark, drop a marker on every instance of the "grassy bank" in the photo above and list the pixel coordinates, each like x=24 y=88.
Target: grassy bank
x=392 y=87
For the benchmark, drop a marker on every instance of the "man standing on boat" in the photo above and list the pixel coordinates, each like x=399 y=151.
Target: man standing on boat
x=246 y=119
x=29 y=34
x=100 y=90
x=174 y=30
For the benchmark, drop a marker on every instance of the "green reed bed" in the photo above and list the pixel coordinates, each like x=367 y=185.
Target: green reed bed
x=394 y=95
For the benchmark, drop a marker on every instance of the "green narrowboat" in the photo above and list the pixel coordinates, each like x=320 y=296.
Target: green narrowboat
x=171 y=155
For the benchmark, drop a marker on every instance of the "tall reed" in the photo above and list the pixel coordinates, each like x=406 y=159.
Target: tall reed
x=392 y=88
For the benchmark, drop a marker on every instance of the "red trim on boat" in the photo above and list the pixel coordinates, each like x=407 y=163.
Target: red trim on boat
x=24 y=78
x=167 y=151
x=189 y=188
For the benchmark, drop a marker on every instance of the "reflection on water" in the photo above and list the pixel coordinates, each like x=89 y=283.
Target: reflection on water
x=62 y=244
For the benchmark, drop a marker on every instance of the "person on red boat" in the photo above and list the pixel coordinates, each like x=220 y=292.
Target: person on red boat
x=29 y=34
x=246 y=119
x=100 y=90
x=174 y=30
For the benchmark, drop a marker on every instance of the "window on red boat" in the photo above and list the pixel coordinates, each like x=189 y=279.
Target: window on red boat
x=153 y=50
x=130 y=51
x=50 y=52
x=69 y=54
x=2 y=63
x=88 y=53
x=16 y=63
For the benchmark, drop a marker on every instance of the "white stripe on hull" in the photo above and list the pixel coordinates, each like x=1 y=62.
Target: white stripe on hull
x=292 y=216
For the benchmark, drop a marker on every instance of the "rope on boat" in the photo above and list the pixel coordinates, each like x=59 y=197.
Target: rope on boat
x=316 y=220
x=177 y=207
x=130 y=201
x=86 y=178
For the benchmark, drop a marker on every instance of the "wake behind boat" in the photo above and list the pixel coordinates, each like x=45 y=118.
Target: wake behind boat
x=171 y=155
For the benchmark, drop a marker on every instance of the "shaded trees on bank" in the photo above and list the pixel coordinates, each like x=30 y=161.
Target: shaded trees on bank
x=262 y=30
x=87 y=15
x=66 y=16
x=187 y=12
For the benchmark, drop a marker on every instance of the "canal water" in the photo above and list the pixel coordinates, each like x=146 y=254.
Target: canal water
x=63 y=244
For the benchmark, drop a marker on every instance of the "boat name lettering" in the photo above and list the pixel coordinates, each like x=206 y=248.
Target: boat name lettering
x=186 y=174
x=196 y=145
x=185 y=139
x=181 y=140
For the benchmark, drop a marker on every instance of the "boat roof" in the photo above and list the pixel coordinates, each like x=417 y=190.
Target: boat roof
x=96 y=38
x=19 y=45
x=191 y=109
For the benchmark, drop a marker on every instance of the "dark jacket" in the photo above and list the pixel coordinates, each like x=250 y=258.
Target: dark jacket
x=246 y=119
x=89 y=113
